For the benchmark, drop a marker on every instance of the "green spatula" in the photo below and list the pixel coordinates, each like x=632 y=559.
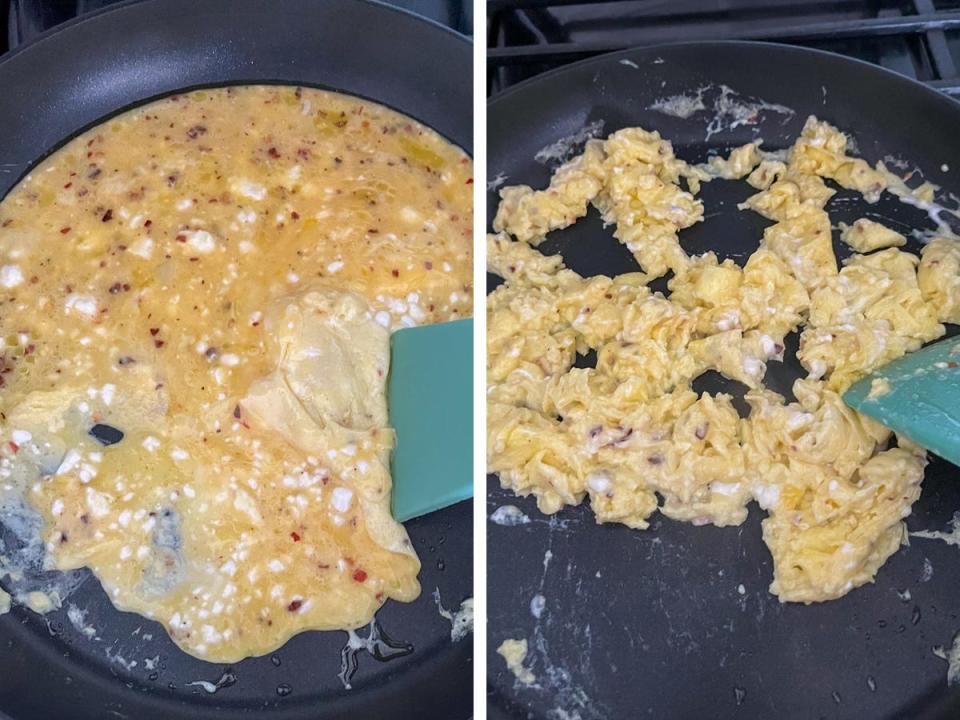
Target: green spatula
x=430 y=396
x=923 y=400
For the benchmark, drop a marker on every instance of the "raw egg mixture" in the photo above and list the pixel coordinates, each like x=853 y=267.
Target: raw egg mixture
x=632 y=435
x=195 y=306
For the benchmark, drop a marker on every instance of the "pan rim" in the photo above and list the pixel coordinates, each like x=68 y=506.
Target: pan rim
x=125 y=5
x=780 y=47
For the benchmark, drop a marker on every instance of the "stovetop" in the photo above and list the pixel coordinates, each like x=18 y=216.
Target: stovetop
x=22 y=20
x=919 y=38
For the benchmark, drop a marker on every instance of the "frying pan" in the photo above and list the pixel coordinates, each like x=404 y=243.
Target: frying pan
x=87 y=70
x=676 y=621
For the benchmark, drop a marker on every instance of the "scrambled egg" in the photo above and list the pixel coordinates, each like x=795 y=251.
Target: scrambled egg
x=939 y=277
x=514 y=653
x=195 y=306
x=632 y=436
x=865 y=236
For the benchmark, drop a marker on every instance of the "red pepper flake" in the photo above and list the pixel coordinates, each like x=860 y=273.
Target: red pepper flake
x=273 y=152
x=469 y=181
x=295 y=215
x=395 y=272
x=154 y=331
x=158 y=343
x=295 y=536
x=294 y=605
x=68 y=186
x=148 y=223
x=14 y=446
x=64 y=230
x=107 y=216
x=359 y=575
x=181 y=238
x=366 y=124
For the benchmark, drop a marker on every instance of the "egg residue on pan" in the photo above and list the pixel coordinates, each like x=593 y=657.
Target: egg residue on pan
x=632 y=435
x=195 y=306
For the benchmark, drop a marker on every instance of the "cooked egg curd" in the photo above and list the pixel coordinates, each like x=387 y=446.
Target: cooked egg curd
x=631 y=435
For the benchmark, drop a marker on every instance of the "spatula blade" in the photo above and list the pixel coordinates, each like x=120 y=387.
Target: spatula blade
x=430 y=396
x=917 y=396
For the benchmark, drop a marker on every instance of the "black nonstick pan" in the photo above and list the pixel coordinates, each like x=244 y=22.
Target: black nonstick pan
x=76 y=76
x=676 y=621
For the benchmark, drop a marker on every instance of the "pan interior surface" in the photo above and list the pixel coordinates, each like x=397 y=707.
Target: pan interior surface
x=677 y=621
x=130 y=668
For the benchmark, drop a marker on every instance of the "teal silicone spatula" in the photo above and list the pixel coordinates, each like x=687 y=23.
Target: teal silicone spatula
x=430 y=401
x=917 y=396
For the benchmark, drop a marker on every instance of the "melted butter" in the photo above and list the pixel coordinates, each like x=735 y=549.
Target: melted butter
x=150 y=270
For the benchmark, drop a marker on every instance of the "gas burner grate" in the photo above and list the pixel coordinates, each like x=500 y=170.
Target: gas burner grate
x=918 y=38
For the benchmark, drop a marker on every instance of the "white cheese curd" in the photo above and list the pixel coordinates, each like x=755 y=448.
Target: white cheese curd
x=11 y=276
x=82 y=304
